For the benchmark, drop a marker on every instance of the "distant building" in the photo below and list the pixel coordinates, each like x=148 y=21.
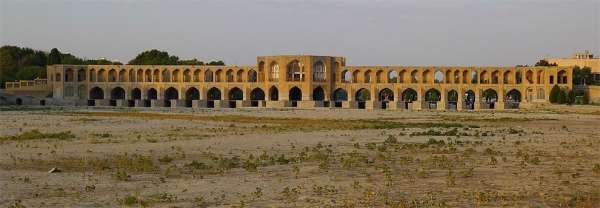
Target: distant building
x=581 y=59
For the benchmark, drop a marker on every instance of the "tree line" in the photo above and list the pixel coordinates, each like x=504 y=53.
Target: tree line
x=22 y=63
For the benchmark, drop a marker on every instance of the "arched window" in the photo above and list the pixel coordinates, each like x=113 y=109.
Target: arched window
x=294 y=71
x=274 y=72
x=208 y=76
x=252 y=77
x=319 y=72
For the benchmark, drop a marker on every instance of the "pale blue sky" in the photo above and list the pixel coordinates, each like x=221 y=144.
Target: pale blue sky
x=366 y=32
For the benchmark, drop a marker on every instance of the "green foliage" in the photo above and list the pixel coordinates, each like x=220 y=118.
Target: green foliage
x=562 y=97
x=157 y=57
x=30 y=73
x=555 y=94
x=544 y=63
x=54 y=57
x=18 y=63
x=582 y=76
x=36 y=134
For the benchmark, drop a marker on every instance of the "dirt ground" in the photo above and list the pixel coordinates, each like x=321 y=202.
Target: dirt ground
x=299 y=158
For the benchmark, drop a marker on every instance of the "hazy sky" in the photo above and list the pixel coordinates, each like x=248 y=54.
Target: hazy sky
x=366 y=32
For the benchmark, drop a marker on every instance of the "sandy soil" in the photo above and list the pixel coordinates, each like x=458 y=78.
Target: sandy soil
x=299 y=158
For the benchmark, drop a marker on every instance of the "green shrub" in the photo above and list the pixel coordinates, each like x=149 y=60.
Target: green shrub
x=555 y=94
x=36 y=134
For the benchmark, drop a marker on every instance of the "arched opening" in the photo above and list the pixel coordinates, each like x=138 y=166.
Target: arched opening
x=414 y=76
x=425 y=76
x=131 y=76
x=540 y=77
x=378 y=76
x=166 y=76
x=401 y=76
x=465 y=76
x=256 y=95
x=319 y=71
x=408 y=96
x=81 y=75
x=562 y=77
x=252 y=76
x=339 y=95
x=213 y=94
x=208 y=76
x=152 y=94
x=218 y=76
x=112 y=75
x=512 y=100
x=495 y=77
x=386 y=95
x=438 y=77
x=101 y=75
x=190 y=95
x=236 y=94
x=456 y=77
x=170 y=94
x=69 y=75
x=483 y=79
x=96 y=93
x=469 y=100
x=518 y=77
x=449 y=77
x=529 y=76
x=392 y=77
x=474 y=77
x=318 y=94
x=229 y=75
x=274 y=72
x=367 y=76
x=175 y=76
x=261 y=71
x=508 y=77
x=148 y=75
x=362 y=96
x=273 y=93
x=432 y=96
x=355 y=76
x=196 y=77
x=346 y=76
x=489 y=98
x=187 y=76
x=136 y=94
x=42 y=102
x=294 y=71
x=19 y=101
x=122 y=75
x=239 y=76
x=295 y=94
x=117 y=93
x=452 y=100
x=92 y=75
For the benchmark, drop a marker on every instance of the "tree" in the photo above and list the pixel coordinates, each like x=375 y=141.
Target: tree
x=554 y=94
x=216 y=63
x=562 y=97
x=54 y=57
x=544 y=63
x=154 y=57
x=582 y=76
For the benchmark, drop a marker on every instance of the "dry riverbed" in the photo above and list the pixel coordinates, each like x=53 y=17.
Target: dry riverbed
x=299 y=158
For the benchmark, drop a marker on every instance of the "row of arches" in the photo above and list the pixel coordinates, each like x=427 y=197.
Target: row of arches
x=450 y=76
x=295 y=72
x=295 y=94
